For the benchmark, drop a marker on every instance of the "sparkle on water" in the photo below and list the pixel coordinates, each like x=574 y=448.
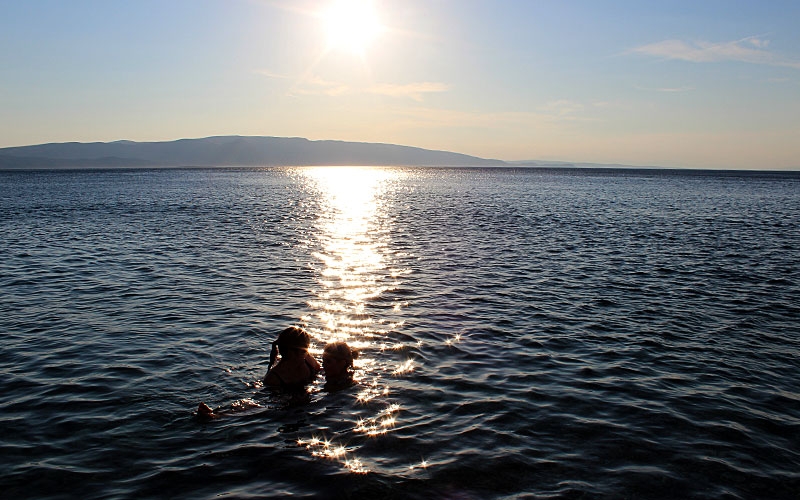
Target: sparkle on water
x=354 y=269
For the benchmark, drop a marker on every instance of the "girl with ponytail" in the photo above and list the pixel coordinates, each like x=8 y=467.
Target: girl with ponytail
x=296 y=367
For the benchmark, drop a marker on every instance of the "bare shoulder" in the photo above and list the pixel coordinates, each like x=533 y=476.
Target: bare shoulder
x=313 y=362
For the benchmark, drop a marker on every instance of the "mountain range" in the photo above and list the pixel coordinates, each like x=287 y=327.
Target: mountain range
x=228 y=151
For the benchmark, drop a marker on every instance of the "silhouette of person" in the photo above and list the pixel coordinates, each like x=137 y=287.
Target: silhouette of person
x=296 y=367
x=337 y=363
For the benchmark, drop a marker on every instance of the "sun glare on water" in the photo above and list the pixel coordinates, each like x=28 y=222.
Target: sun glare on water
x=351 y=25
x=355 y=266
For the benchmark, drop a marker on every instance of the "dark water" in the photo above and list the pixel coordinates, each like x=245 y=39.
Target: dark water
x=524 y=333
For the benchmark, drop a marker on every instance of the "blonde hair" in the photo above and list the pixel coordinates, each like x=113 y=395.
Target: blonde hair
x=341 y=351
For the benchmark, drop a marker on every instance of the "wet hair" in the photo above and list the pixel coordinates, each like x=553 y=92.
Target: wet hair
x=293 y=337
x=341 y=351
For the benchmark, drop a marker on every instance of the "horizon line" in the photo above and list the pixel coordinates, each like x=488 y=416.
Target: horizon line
x=534 y=163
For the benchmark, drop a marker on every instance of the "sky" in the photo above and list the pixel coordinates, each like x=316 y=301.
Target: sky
x=694 y=84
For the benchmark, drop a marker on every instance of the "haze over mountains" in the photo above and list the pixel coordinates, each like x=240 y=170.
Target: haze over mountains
x=227 y=151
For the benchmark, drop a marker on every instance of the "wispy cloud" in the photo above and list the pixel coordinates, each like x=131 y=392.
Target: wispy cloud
x=270 y=74
x=411 y=90
x=562 y=108
x=751 y=50
x=666 y=89
x=317 y=86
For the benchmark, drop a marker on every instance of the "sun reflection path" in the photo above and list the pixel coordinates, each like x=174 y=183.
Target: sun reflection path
x=355 y=267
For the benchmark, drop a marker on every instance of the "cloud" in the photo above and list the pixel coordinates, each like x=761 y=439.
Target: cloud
x=317 y=86
x=269 y=74
x=666 y=89
x=751 y=50
x=411 y=90
x=563 y=108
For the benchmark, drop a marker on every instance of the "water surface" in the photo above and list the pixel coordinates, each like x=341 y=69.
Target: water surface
x=525 y=333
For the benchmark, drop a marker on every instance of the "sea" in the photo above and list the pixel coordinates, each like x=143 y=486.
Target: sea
x=524 y=333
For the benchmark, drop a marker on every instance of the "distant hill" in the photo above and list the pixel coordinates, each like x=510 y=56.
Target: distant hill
x=227 y=151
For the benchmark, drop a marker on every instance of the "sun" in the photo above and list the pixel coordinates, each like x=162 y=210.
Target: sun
x=351 y=25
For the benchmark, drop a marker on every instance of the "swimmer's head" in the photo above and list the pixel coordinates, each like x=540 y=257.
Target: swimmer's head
x=293 y=337
x=292 y=340
x=338 y=357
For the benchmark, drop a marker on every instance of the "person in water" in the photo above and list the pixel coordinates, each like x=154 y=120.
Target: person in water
x=296 y=367
x=337 y=362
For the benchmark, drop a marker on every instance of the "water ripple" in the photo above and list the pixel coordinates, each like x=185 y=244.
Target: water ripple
x=525 y=333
